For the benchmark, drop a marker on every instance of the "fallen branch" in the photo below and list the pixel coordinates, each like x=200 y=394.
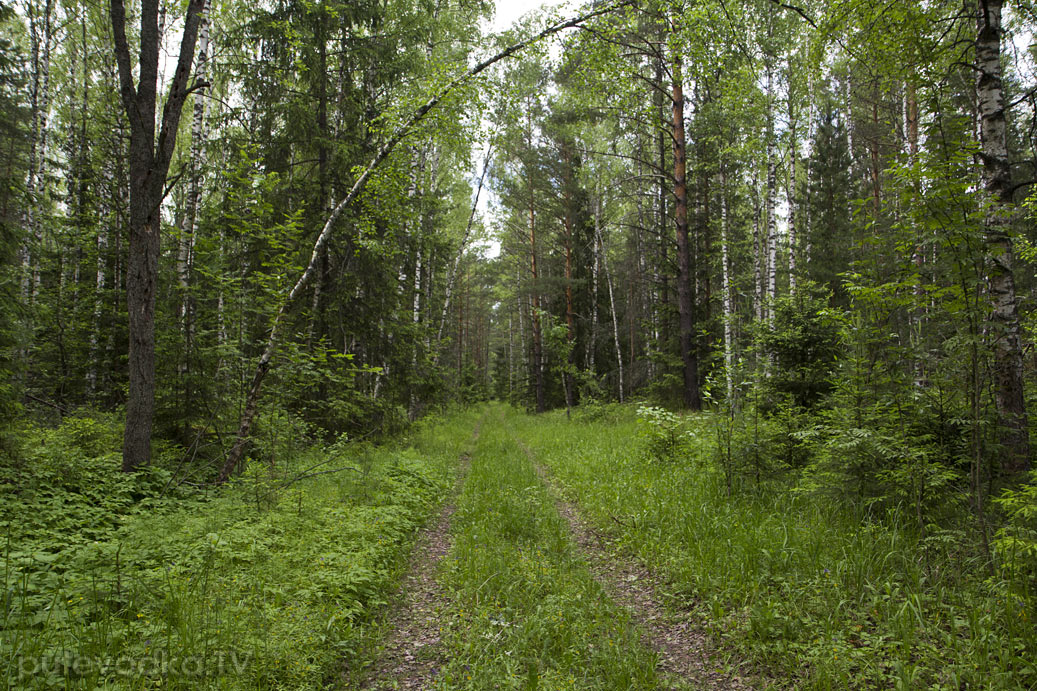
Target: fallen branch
x=274 y=340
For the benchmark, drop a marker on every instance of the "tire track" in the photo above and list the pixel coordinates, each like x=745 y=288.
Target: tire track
x=686 y=655
x=410 y=655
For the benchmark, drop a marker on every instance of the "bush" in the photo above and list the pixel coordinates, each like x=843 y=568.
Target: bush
x=666 y=437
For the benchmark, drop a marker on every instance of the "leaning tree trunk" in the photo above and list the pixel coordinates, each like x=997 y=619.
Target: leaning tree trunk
x=273 y=341
x=996 y=175
x=452 y=272
x=149 y=165
x=612 y=306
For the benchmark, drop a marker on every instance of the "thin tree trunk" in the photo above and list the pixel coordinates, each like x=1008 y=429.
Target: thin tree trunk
x=538 y=338
x=772 y=190
x=452 y=272
x=612 y=307
x=595 y=268
x=41 y=38
x=729 y=312
x=759 y=252
x=790 y=193
x=189 y=227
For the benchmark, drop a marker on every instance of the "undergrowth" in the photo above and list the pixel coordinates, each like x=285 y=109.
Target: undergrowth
x=127 y=581
x=810 y=592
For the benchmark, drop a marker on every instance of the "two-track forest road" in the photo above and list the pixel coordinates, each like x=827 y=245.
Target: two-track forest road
x=512 y=589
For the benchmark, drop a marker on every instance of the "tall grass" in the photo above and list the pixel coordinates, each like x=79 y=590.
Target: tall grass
x=526 y=612
x=812 y=593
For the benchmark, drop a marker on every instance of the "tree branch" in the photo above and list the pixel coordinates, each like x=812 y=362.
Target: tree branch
x=273 y=341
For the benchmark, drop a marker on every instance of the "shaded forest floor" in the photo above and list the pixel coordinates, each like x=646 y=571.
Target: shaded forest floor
x=485 y=549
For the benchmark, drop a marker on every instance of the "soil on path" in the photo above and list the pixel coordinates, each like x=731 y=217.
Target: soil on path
x=410 y=656
x=686 y=656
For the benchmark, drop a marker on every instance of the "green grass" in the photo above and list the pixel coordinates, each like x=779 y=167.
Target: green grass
x=108 y=584
x=526 y=612
x=808 y=592
x=113 y=582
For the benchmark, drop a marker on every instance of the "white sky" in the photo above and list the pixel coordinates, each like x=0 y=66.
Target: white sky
x=510 y=10
x=507 y=13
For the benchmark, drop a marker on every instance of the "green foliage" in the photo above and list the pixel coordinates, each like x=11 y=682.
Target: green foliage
x=816 y=593
x=1016 y=540
x=593 y=410
x=124 y=581
x=666 y=436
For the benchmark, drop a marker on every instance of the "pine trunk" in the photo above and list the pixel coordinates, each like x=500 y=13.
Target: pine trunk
x=685 y=299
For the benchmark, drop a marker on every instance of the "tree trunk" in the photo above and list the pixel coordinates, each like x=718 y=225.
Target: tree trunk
x=790 y=193
x=595 y=269
x=729 y=312
x=538 y=337
x=685 y=300
x=772 y=190
x=41 y=38
x=452 y=272
x=189 y=228
x=149 y=165
x=612 y=308
x=996 y=177
x=759 y=251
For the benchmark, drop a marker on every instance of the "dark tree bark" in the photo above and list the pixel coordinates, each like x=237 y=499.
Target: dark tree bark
x=685 y=299
x=997 y=180
x=149 y=166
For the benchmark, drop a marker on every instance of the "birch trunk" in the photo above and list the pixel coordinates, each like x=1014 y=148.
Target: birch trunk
x=996 y=178
x=452 y=272
x=790 y=193
x=612 y=306
x=759 y=251
x=41 y=37
x=772 y=190
x=729 y=354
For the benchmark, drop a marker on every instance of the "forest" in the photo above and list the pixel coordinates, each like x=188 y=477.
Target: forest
x=367 y=344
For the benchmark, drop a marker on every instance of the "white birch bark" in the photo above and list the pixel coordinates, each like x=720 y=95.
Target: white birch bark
x=729 y=353
x=997 y=182
x=41 y=38
x=612 y=308
x=772 y=225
